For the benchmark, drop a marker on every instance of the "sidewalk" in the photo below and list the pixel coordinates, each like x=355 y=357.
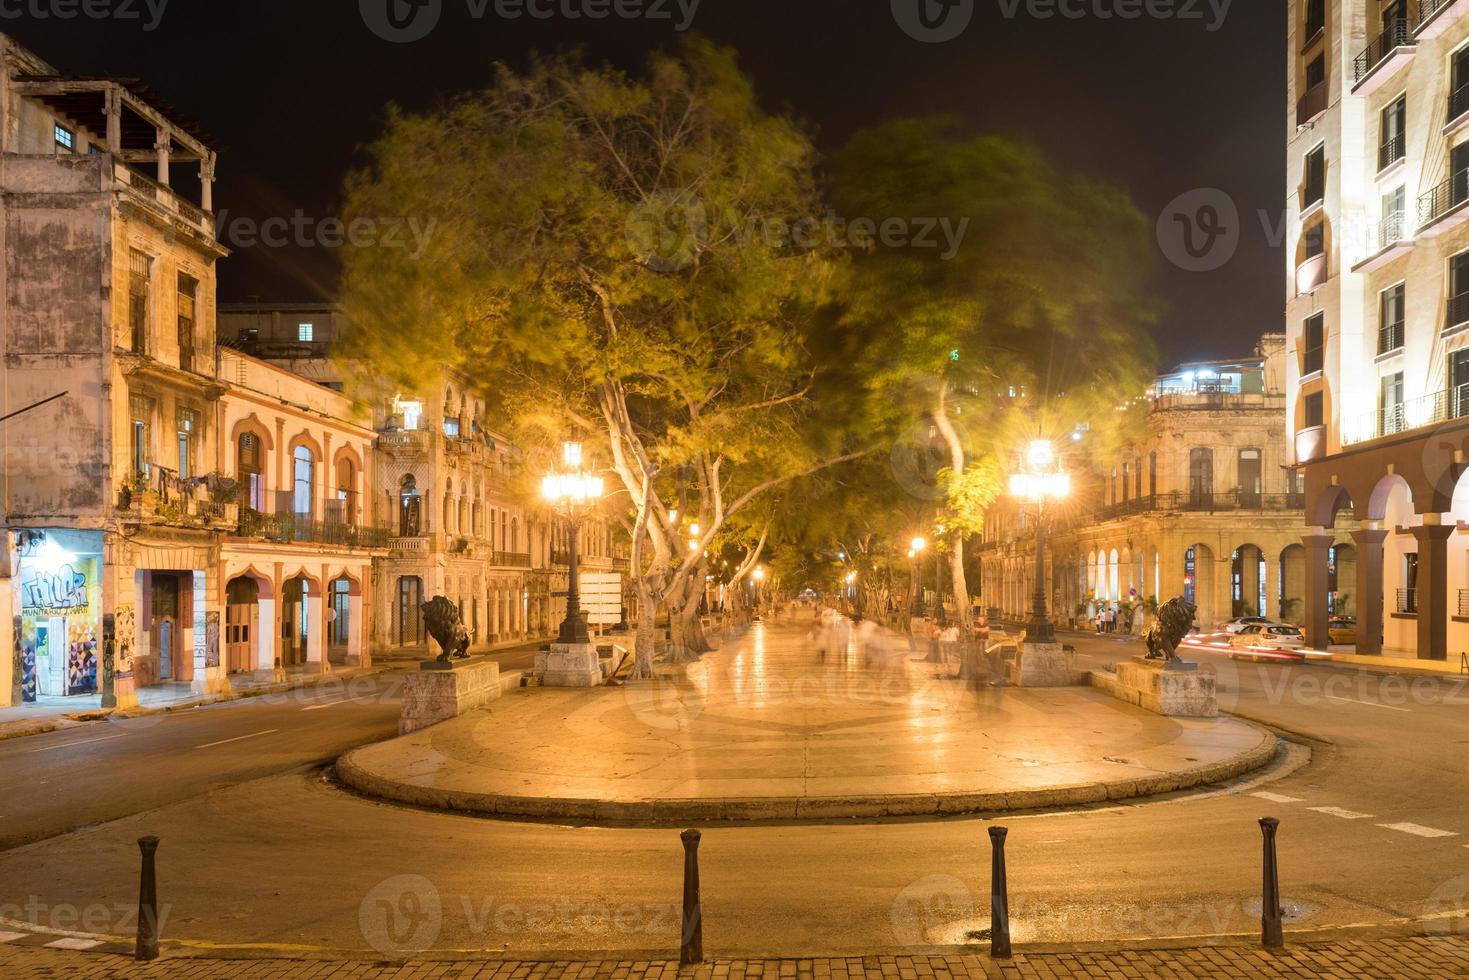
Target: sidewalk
x=1387 y=959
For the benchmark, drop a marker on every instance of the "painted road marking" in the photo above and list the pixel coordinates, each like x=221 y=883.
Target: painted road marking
x=1277 y=798
x=328 y=704
x=1370 y=704
x=238 y=738
x=71 y=942
x=1336 y=811
x=85 y=741
x=10 y=937
x=1417 y=830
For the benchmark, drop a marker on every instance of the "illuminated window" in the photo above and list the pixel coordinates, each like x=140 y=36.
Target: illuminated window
x=305 y=332
x=410 y=414
x=66 y=139
x=188 y=426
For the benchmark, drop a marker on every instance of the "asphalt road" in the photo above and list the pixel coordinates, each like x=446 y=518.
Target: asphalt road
x=1373 y=830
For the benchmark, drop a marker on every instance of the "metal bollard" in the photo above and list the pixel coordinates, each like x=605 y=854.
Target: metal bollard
x=1271 y=934
x=147 y=946
x=999 y=896
x=691 y=948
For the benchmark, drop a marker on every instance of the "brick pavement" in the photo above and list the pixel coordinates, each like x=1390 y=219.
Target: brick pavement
x=1377 y=959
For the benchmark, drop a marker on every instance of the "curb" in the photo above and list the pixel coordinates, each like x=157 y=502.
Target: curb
x=735 y=810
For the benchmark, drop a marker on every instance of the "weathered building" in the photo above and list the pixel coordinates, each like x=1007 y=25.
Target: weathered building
x=1202 y=506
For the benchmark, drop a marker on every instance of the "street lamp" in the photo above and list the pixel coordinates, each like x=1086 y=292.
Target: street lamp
x=915 y=551
x=1040 y=480
x=575 y=492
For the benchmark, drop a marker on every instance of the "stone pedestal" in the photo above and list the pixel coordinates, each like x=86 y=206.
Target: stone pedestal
x=569 y=665
x=1175 y=690
x=434 y=695
x=1044 y=665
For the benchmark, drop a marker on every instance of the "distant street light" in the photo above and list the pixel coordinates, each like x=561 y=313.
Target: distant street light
x=1038 y=481
x=575 y=493
x=920 y=544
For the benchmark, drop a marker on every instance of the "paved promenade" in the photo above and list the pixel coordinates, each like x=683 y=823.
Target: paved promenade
x=769 y=728
x=1380 y=959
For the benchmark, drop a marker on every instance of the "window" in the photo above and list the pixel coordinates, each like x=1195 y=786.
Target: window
x=451 y=427
x=1390 y=404
x=1126 y=480
x=188 y=292
x=304 y=480
x=1313 y=357
x=1137 y=469
x=250 y=471
x=408 y=413
x=1152 y=474
x=1459 y=382
x=1250 y=477
x=1314 y=191
x=1315 y=17
x=138 y=288
x=1314 y=239
x=65 y=139
x=410 y=508
x=1394 y=123
x=1315 y=410
x=410 y=611
x=1200 y=475
x=1390 y=305
x=142 y=415
x=347 y=490
x=188 y=426
x=1316 y=72
x=305 y=332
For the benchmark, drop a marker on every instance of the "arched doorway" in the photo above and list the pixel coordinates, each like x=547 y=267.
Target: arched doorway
x=1292 y=584
x=241 y=624
x=1248 y=582
x=1198 y=582
x=295 y=632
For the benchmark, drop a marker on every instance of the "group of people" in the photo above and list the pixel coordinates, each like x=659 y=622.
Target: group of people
x=1107 y=619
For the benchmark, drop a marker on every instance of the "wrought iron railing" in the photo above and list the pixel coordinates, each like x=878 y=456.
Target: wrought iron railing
x=511 y=559
x=1456 y=311
x=1425 y=9
x=1407 y=600
x=1416 y=413
x=1458 y=102
x=1206 y=503
x=1389 y=337
x=1392 y=228
x=288 y=528
x=1444 y=198
x=1397 y=35
x=1391 y=152
x=1463 y=603
x=1312 y=104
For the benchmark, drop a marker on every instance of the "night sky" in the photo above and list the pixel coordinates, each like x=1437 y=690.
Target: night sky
x=291 y=89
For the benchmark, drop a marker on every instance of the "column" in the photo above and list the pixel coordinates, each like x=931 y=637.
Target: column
x=1317 y=617
x=114 y=120
x=1433 y=591
x=1370 y=599
x=355 y=627
x=266 y=635
x=164 y=146
x=317 y=661
x=495 y=614
x=206 y=181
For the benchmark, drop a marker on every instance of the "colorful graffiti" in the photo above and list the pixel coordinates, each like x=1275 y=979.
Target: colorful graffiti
x=58 y=593
x=211 y=639
x=127 y=631
x=81 y=667
x=25 y=638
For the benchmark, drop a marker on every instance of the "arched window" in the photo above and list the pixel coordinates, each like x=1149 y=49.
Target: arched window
x=250 y=471
x=347 y=489
x=410 y=508
x=304 y=482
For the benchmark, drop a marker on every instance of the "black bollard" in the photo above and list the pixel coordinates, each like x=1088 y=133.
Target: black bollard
x=1271 y=934
x=691 y=948
x=147 y=947
x=999 y=896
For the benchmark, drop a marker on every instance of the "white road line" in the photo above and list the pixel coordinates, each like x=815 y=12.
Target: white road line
x=1417 y=830
x=328 y=704
x=10 y=937
x=1370 y=704
x=238 y=738
x=1277 y=798
x=1336 y=811
x=85 y=741
x=71 y=942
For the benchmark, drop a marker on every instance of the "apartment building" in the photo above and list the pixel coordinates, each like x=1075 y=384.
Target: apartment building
x=1201 y=506
x=1377 y=314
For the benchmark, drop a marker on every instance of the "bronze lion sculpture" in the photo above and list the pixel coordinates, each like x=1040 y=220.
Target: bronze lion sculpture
x=1175 y=619
x=442 y=619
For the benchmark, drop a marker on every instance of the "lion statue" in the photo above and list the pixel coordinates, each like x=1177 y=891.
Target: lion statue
x=1175 y=619
x=442 y=619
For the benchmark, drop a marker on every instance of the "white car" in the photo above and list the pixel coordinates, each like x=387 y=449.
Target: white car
x=1238 y=625
x=1269 y=636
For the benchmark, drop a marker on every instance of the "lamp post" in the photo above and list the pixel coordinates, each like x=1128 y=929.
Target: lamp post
x=1039 y=480
x=574 y=492
x=915 y=552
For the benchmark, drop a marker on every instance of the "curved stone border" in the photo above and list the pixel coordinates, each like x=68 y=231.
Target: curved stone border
x=658 y=812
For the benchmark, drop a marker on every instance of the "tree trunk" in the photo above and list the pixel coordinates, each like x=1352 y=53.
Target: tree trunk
x=950 y=436
x=645 y=646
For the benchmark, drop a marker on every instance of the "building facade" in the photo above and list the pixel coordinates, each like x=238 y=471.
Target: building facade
x=1201 y=506
x=122 y=522
x=1377 y=313
x=462 y=519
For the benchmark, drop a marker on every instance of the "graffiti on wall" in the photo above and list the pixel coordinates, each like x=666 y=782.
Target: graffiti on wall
x=211 y=639
x=127 y=629
x=53 y=593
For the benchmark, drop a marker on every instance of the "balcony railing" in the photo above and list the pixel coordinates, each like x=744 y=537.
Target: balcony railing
x=297 y=528
x=1389 y=337
x=1392 y=228
x=1391 y=152
x=165 y=197
x=1206 y=503
x=1416 y=413
x=511 y=559
x=1407 y=601
x=1426 y=10
x=1312 y=104
x=1458 y=102
x=1397 y=35
x=1443 y=198
x=1463 y=603
x=1456 y=311
x=407 y=441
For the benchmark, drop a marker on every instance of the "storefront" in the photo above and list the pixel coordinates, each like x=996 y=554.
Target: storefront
x=60 y=613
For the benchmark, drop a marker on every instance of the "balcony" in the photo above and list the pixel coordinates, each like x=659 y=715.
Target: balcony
x=1312 y=105
x=1458 y=111
x=1390 y=238
x=1407 y=602
x=1413 y=414
x=408 y=442
x=1233 y=501
x=511 y=559
x=411 y=546
x=1311 y=273
x=1432 y=17
x=302 y=529
x=1389 y=338
x=1443 y=207
x=1311 y=444
x=1393 y=151
x=165 y=200
x=161 y=498
x=1383 y=58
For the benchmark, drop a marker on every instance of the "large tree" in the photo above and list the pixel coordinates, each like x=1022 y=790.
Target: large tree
x=614 y=259
x=1025 y=320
